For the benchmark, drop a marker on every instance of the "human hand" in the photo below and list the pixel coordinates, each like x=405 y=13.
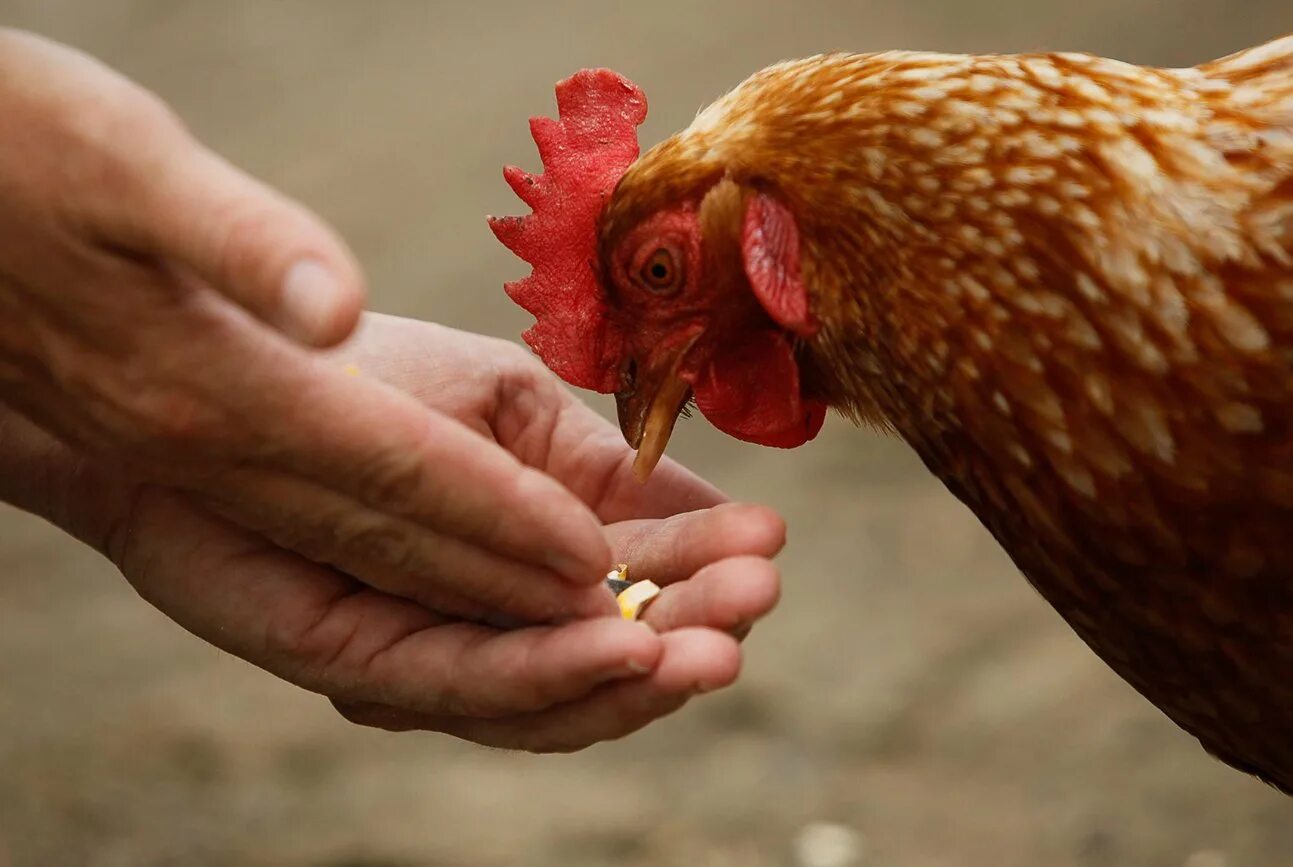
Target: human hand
x=148 y=291
x=709 y=556
x=390 y=662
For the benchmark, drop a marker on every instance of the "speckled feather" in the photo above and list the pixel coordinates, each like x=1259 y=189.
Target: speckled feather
x=1067 y=282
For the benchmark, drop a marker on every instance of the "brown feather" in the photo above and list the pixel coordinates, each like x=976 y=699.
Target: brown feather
x=1067 y=282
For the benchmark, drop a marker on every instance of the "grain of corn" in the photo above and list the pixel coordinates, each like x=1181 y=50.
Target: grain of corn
x=633 y=597
x=633 y=601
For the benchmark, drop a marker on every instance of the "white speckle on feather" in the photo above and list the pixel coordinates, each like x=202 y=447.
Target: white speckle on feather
x=909 y=110
x=1145 y=428
x=1238 y=417
x=1044 y=71
x=926 y=137
x=1076 y=477
x=1085 y=217
x=1098 y=392
x=1088 y=89
x=1240 y=328
x=1128 y=156
x=1074 y=190
x=1088 y=288
x=976 y=290
x=1012 y=198
x=1061 y=440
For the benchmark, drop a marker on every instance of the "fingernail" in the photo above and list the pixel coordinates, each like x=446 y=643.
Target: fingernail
x=636 y=667
x=704 y=687
x=311 y=296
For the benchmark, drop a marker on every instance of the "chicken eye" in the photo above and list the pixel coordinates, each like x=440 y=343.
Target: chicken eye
x=659 y=272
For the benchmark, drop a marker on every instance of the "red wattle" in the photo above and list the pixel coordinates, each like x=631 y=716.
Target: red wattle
x=750 y=390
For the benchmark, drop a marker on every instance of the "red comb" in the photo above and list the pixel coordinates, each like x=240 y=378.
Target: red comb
x=584 y=154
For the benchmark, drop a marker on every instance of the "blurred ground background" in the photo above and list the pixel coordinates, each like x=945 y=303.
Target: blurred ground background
x=911 y=687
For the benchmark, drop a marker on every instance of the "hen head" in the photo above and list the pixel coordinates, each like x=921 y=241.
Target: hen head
x=660 y=280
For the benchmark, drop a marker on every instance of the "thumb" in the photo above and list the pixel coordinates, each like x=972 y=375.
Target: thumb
x=251 y=243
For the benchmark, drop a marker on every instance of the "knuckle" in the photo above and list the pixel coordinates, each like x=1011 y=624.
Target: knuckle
x=460 y=690
x=301 y=535
x=379 y=542
x=158 y=427
x=528 y=594
x=94 y=125
x=149 y=403
x=453 y=697
x=173 y=421
x=317 y=647
x=303 y=639
x=393 y=478
x=103 y=117
x=244 y=228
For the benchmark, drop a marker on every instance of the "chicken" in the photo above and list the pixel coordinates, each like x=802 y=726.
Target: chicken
x=1065 y=281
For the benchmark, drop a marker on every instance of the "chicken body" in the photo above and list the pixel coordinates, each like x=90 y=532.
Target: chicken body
x=1067 y=282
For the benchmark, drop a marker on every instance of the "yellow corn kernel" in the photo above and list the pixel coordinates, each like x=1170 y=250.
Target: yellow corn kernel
x=634 y=600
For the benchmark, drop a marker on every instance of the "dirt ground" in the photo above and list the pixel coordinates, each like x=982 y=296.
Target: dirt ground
x=911 y=687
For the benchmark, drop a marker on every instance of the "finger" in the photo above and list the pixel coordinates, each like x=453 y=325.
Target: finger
x=380 y=447
x=587 y=454
x=369 y=443
x=315 y=628
x=470 y=671
x=188 y=206
x=671 y=488
x=694 y=661
x=675 y=548
x=440 y=571
x=729 y=595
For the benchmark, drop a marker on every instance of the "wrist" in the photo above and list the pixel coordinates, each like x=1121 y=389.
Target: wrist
x=42 y=475
x=30 y=464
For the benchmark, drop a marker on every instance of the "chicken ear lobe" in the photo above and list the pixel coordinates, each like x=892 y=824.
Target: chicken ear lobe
x=770 y=252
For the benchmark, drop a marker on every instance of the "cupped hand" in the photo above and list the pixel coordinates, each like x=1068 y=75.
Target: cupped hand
x=390 y=663
x=396 y=660
x=159 y=310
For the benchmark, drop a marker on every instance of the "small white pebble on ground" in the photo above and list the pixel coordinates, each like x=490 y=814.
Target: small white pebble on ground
x=826 y=844
x=1207 y=858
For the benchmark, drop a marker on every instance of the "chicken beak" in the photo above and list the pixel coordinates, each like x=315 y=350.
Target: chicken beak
x=648 y=409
